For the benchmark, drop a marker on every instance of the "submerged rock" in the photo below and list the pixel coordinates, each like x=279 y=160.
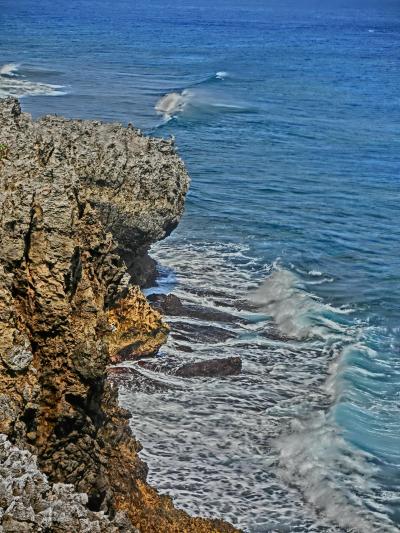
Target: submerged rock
x=226 y=366
x=201 y=333
x=218 y=367
x=173 y=306
x=76 y=196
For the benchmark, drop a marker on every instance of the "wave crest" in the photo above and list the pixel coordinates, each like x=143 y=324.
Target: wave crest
x=173 y=103
x=13 y=85
x=9 y=69
x=297 y=313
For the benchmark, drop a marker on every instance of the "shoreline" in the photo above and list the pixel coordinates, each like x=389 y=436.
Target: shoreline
x=68 y=308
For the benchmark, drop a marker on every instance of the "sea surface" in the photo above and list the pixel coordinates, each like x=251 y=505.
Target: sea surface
x=287 y=115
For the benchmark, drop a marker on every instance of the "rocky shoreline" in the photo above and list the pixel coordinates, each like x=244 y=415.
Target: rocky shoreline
x=81 y=202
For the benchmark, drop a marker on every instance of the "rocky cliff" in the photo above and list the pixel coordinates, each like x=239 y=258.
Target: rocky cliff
x=81 y=202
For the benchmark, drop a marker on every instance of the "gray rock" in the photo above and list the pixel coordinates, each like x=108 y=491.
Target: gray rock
x=19 y=357
x=29 y=503
x=137 y=184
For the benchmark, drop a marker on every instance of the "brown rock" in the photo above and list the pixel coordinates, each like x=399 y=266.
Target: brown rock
x=75 y=196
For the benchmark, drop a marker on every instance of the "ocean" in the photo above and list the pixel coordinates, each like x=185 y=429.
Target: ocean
x=287 y=115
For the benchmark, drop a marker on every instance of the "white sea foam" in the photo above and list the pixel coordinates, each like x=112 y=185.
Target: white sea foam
x=9 y=69
x=173 y=103
x=13 y=85
x=271 y=453
x=296 y=312
x=221 y=75
x=334 y=477
x=197 y=101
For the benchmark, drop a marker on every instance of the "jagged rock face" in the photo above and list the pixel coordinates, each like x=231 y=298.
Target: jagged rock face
x=29 y=503
x=73 y=194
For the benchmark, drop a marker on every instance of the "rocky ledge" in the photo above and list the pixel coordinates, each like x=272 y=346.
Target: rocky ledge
x=81 y=202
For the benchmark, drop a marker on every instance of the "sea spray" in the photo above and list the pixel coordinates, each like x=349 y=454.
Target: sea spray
x=173 y=103
x=9 y=69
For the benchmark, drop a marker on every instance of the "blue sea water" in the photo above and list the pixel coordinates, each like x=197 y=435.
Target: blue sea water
x=287 y=115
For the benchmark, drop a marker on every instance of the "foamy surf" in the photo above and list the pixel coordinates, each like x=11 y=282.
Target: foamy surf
x=334 y=477
x=11 y=84
x=278 y=419
x=196 y=104
x=9 y=69
x=173 y=103
x=230 y=413
x=296 y=312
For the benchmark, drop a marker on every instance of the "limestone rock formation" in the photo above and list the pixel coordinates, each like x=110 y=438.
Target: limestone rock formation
x=75 y=198
x=29 y=503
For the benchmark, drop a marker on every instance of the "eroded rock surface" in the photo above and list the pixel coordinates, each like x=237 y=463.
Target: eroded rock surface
x=75 y=196
x=29 y=503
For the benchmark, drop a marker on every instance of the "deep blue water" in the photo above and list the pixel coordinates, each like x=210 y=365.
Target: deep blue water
x=288 y=118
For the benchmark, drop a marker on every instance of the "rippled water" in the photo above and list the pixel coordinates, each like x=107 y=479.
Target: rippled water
x=288 y=118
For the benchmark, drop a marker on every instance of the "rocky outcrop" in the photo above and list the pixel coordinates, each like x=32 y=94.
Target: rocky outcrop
x=29 y=503
x=77 y=199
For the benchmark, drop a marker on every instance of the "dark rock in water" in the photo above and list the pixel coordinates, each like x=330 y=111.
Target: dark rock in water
x=170 y=304
x=228 y=366
x=131 y=378
x=219 y=367
x=167 y=303
x=190 y=332
x=141 y=266
x=165 y=365
x=184 y=348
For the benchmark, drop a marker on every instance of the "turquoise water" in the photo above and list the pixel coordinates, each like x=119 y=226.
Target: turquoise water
x=288 y=119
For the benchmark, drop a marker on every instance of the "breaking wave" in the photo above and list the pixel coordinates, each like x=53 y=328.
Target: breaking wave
x=173 y=103
x=334 y=476
x=296 y=312
x=196 y=99
x=195 y=103
x=16 y=85
x=301 y=472
x=9 y=69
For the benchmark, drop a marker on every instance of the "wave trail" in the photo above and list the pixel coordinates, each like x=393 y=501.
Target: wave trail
x=13 y=85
